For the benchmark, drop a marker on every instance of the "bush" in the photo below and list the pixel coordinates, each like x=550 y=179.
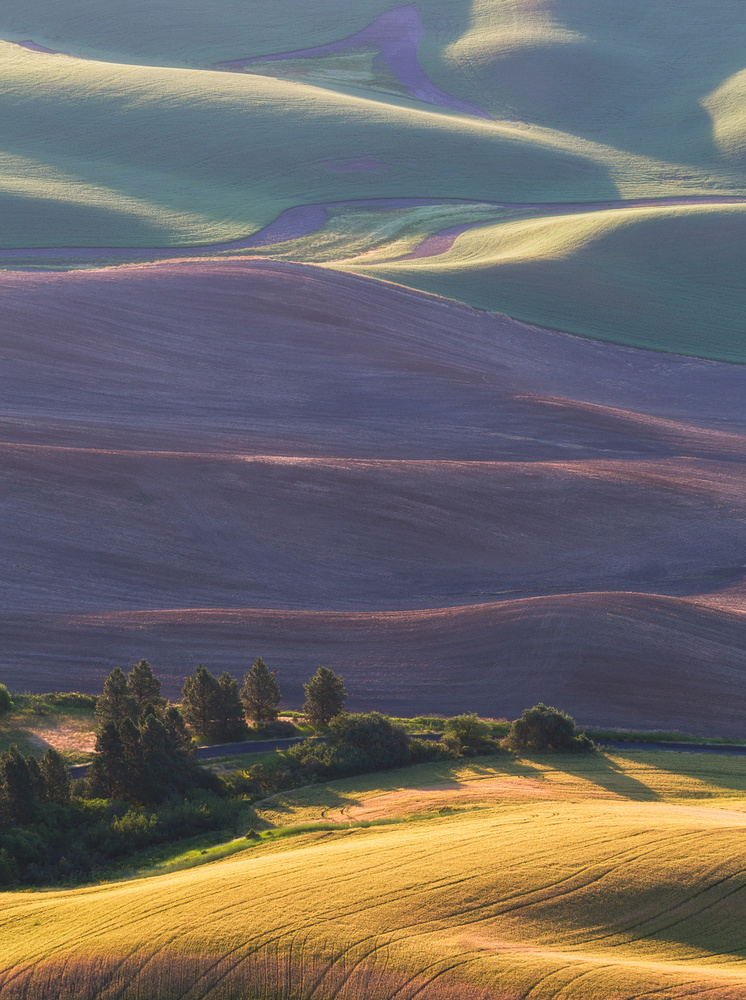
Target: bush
x=546 y=729
x=71 y=699
x=6 y=702
x=354 y=744
x=280 y=729
x=467 y=736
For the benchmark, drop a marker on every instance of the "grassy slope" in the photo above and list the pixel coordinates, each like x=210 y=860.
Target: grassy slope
x=640 y=73
x=98 y=155
x=576 y=878
x=637 y=276
x=598 y=102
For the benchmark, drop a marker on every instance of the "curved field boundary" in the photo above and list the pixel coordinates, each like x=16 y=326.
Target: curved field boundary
x=396 y=34
x=305 y=220
x=442 y=241
x=32 y=46
x=615 y=659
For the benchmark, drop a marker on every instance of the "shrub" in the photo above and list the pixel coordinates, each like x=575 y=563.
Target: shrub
x=71 y=699
x=278 y=730
x=546 y=729
x=467 y=735
x=6 y=702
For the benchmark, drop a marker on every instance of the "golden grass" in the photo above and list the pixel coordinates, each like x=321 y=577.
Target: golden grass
x=615 y=882
x=33 y=725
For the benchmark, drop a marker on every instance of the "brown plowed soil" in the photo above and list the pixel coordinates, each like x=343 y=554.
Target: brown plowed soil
x=609 y=658
x=454 y=510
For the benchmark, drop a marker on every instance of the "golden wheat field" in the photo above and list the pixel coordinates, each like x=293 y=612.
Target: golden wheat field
x=603 y=878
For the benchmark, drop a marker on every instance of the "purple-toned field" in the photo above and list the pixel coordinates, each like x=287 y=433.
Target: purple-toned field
x=211 y=461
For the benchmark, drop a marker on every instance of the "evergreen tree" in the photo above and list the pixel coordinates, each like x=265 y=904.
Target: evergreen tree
x=38 y=783
x=136 y=783
x=56 y=775
x=157 y=755
x=16 y=784
x=144 y=686
x=180 y=738
x=325 y=697
x=260 y=692
x=116 y=703
x=201 y=703
x=106 y=774
x=232 y=724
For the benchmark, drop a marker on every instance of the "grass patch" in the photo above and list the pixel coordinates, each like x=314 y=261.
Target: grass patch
x=63 y=720
x=613 y=866
x=655 y=736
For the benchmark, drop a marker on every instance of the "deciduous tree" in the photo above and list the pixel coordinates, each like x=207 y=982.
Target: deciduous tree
x=6 y=702
x=544 y=728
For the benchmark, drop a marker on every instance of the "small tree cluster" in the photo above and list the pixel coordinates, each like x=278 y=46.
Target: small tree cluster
x=212 y=706
x=27 y=783
x=217 y=710
x=546 y=729
x=145 y=762
x=127 y=697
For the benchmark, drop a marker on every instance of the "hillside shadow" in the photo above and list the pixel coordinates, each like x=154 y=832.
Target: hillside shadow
x=723 y=770
x=630 y=75
x=689 y=51
x=605 y=773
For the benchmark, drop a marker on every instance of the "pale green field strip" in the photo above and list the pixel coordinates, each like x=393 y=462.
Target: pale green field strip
x=576 y=879
x=101 y=154
x=667 y=278
x=665 y=78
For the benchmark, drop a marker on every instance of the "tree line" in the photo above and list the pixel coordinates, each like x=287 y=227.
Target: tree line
x=216 y=709
x=145 y=786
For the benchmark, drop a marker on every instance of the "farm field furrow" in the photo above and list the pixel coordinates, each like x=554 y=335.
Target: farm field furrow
x=220 y=447
x=407 y=339
x=602 y=878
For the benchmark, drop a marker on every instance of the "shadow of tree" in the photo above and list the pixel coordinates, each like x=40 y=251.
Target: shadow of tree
x=602 y=771
x=725 y=771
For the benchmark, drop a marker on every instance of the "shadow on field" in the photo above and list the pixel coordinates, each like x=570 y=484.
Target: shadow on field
x=606 y=773
x=724 y=771
x=316 y=796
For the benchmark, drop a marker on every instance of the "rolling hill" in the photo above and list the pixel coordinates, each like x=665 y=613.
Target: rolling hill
x=217 y=460
x=603 y=879
x=243 y=382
